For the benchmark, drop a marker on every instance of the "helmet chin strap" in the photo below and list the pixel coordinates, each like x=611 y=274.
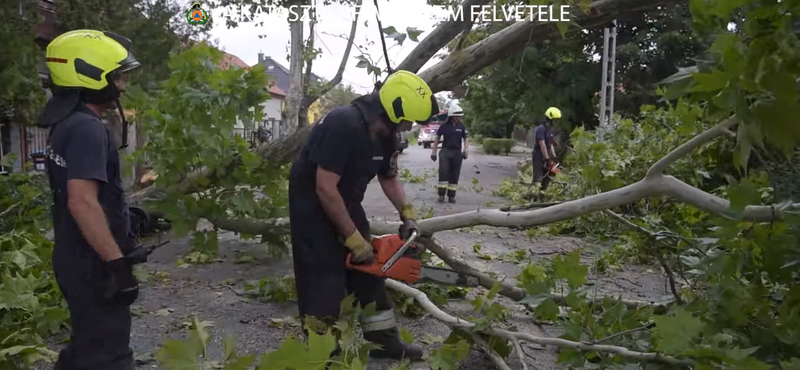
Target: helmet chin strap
x=124 y=125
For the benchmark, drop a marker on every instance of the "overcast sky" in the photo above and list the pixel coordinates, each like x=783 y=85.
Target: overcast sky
x=335 y=21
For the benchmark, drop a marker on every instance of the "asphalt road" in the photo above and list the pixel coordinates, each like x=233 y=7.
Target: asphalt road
x=172 y=293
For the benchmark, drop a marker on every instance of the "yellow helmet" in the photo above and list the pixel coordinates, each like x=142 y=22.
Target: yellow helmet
x=553 y=113
x=84 y=58
x=406 y=97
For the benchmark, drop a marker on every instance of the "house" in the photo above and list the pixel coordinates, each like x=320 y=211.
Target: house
x=279 y=74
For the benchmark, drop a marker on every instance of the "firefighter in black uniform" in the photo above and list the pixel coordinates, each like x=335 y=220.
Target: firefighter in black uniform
x=90 y=214
x=544 y=155
x=346 y=149
x=452 y=153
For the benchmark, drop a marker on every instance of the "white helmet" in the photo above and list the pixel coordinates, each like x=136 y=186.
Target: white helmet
x=455 y=111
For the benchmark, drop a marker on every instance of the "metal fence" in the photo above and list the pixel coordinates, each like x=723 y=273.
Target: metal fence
x=268 y=130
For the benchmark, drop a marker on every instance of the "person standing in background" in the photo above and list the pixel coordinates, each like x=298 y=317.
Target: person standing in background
x=544 y=154
x=453 y=153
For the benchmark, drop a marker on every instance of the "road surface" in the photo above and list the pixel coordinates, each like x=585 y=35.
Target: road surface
x=173 y=293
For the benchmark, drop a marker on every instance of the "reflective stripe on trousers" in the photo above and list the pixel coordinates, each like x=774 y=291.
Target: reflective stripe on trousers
x=383 y=320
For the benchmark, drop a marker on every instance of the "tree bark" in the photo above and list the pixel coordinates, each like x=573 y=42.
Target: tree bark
x=459 y=65
x=439 y=37
x=295 y=95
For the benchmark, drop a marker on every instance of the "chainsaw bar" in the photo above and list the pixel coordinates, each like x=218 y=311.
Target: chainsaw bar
x=447 y=277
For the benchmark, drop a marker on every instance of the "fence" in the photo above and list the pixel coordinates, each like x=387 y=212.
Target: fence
x=268 y=130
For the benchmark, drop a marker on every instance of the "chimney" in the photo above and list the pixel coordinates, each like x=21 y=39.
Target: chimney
x=260 y=58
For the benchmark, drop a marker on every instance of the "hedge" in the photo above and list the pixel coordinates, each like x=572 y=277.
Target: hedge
x=498 y=146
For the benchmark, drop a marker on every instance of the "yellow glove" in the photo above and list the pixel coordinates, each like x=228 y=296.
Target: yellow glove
x=360 y=248
x=407 y=212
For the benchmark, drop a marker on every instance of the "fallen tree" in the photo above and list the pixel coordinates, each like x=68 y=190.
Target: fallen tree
x=229 y=181
x=442 y=76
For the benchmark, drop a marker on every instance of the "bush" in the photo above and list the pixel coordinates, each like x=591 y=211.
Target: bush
x=498 y=146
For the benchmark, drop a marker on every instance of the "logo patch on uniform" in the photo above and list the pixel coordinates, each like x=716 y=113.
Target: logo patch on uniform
x=377 y=158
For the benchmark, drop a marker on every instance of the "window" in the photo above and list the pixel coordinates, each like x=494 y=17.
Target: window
x=271 y=68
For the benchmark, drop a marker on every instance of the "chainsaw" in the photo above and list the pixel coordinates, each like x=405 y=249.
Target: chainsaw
x=400 y=260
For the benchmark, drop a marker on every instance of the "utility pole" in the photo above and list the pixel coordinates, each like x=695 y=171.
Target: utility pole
x=609 y=69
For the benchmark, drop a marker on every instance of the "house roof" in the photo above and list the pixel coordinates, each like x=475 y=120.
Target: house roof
x=229 y=60
x=277 y=90
x=279 y=74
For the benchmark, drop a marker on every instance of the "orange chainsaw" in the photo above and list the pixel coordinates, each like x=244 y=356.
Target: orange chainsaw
x=400 y=260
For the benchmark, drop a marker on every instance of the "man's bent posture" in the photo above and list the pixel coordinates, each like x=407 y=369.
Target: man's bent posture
x=346 y=149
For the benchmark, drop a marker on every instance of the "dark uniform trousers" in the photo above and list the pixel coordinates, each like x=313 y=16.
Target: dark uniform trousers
x=539 y=169
x=321 y=276
x=100 y=338
x=449 y=170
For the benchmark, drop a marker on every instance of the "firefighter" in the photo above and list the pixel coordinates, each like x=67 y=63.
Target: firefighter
x=544 y=154
x=90 y=214
x=345 y=150
x=452 y=153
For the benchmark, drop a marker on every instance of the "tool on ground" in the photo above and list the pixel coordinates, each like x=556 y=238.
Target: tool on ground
x=400 y=260
x=476 y=168
x=140 y=254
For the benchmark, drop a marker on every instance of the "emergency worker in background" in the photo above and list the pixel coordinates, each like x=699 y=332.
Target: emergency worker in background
x=452 y=153
x=544 y=154
x=90 y=212
x=345 y=150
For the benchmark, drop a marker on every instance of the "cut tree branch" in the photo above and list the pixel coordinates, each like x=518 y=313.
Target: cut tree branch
x=718 y=130
x=455 y=322
x=439 y=37
x=460 y=65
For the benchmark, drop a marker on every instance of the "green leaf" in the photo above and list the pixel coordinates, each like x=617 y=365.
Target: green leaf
x=406 y=336
x=413 y=33
x=547 y=310
x=570 y=268
x=675 y=334
x=706 y=82
x=741 y=195
x=447 y=356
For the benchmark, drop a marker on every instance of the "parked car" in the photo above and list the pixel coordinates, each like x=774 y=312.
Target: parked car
x=403 y=141
x=427 y=134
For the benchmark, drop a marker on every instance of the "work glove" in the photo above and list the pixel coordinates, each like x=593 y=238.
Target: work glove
x=360 y=249
x=409 y=216
x=464 y=154
x=433 y=156
x=122 y=288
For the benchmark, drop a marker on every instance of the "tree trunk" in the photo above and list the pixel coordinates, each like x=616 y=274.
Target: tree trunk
x=439 y=37
x=447 y=73
x=296 y=90
x=459 y=65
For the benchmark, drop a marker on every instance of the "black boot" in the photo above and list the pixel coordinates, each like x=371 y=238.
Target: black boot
x=392 y=346
x=451 y=199
x=441 y=199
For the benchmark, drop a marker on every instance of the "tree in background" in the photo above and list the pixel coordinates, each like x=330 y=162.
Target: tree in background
x=567 y=72
x=339 y=96
x=157 y=28
x=21 y=96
